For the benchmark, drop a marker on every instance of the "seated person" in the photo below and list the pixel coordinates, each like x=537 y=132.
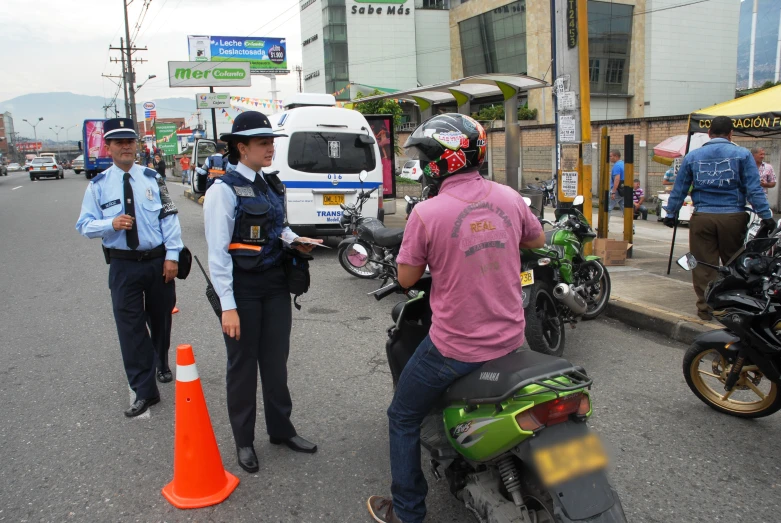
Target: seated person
x=669 y=177
x=638 y=196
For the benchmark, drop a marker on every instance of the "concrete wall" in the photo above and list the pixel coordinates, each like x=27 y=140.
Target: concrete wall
x=690 y=55
x=312 y=53
x=432 y=34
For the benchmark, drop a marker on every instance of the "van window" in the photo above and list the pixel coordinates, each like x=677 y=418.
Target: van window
x=410 y=164
x=329 y=152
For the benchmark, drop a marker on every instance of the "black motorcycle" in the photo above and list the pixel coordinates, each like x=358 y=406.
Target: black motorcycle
x=737 y=370
x=548 y=189
x=370 y=249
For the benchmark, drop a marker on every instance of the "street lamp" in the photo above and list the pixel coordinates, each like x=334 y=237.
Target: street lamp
x=68 y=129
x=57 y=134
x=35 y=133
x=138 y=87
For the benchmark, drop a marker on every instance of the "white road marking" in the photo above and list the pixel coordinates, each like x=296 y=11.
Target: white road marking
x=145 y=415
x=15 y=188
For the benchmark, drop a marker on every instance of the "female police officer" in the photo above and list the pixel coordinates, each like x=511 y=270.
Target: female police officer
x=244 y=215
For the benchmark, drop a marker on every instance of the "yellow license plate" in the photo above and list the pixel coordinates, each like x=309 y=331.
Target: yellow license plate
x=527 y=278
x=565 y=461
x=43 y=168
x=333 y=199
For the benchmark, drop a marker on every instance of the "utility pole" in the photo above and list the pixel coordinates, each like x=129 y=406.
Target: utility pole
x=300 y=71
x=124 y=75
x=130 y=79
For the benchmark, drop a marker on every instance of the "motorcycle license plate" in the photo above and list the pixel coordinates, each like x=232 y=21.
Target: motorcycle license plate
x=754 y=229
x=565 y=461
x=527 y=278
x=333 y=199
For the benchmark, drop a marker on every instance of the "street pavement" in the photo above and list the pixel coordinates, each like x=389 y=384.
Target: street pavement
x=69 y=454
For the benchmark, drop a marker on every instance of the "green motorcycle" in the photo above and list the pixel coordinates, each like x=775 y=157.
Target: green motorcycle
x=560 y=283
x=510 y=438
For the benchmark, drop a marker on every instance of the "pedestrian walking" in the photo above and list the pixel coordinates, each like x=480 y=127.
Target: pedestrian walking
x=767 y=176
x=617 y=181
x=722 y=176
x=476 y=296
x=244 y=216
x=129 y=208
x=184 y=162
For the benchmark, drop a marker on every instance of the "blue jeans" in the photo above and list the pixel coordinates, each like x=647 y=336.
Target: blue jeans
x=422 y=381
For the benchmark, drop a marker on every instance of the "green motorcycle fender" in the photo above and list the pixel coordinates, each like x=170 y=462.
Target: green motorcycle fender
x=592 y=258
x=580 y=498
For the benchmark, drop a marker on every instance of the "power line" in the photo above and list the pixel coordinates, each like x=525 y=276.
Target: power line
x=140 y=21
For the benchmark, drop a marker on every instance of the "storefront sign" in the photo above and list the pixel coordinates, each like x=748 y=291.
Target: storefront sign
x=212 y=100
x=395 y=9
x=209 y=74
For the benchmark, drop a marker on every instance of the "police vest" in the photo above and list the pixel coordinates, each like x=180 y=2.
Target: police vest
x=260 y=219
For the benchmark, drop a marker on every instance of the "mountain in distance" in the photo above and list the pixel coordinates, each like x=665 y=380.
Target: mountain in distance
x=768 y=13
x=69 y=109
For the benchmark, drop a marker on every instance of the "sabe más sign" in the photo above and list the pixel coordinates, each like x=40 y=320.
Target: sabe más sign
x=212 y=100
x=395 y=9
x=209 y=74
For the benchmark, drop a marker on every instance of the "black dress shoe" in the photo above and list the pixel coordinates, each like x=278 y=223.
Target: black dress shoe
x=247 y=459
x=139 y=407
x=165 y=376
x=296 y=443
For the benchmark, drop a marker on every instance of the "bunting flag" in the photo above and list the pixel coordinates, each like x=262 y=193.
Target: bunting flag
x=263 y=103
x=343 y=89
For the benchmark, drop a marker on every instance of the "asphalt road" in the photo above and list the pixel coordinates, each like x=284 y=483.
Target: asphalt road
x=68 y=453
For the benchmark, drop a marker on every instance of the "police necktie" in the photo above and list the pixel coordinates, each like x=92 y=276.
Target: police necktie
x=130 y=209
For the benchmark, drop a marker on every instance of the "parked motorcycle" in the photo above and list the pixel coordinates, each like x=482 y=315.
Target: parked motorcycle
x=370 y=249
x=511 y=437
x=548 y=189
x=564 y=284
x=737 y=370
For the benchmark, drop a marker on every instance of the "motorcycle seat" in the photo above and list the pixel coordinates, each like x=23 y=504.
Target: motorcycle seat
x=389 y=237
x=498 y=379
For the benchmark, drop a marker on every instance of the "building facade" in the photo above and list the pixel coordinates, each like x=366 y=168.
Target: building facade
x=6 y=134
x=385 y=44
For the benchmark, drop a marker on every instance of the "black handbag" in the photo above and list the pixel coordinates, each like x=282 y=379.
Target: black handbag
x=296 y=267
x=185 y=263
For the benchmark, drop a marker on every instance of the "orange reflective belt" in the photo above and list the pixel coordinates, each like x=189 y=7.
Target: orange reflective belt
x=216 y=172
x=246 y=246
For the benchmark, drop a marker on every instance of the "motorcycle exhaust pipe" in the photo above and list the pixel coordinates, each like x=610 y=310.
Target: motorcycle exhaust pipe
x=574 y=301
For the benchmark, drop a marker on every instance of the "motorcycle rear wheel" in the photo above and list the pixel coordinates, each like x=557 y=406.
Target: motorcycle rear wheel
x=544 y=328
x=599 y=304
x=369 y=271
x=765 y=402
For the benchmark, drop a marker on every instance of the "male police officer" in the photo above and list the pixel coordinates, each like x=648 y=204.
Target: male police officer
x=129 y=207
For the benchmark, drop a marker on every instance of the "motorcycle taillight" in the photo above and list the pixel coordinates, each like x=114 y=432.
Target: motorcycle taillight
x=553 y=412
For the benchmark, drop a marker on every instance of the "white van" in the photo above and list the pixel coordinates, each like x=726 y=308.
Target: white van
x=319 y=162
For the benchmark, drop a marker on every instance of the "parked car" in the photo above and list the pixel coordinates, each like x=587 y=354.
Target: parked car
x=46 y=167
x=3 y=170
x=412 y=170
x=78 y=164
x=15 y=167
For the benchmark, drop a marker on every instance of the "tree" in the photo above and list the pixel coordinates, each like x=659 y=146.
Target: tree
x=385 y=106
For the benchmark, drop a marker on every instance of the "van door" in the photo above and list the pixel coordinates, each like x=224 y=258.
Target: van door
x=202 y=149
x=323 y=168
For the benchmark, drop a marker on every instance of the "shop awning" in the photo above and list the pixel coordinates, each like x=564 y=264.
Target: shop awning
x=757 y=114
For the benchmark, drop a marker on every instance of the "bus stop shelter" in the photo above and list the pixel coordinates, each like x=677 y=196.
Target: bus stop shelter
x=463 y=92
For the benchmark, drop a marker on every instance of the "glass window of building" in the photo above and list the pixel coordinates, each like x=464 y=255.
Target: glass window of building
x=495 y=41
x=335 y=47
x=609 y=46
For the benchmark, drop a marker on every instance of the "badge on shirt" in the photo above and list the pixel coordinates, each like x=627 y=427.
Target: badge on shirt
x=149 y=194
x=254 y=232
x=112 y=203
x=244 y=192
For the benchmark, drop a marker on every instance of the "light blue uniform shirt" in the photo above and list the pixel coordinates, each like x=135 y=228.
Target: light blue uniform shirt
x=103 y=201
x=219 y=217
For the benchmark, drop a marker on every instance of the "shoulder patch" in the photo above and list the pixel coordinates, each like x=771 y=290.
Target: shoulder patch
x=150 y=172
x=169 y=207
x=98 y=177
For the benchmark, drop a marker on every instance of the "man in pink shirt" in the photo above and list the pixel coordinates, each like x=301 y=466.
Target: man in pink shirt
x=470 y=236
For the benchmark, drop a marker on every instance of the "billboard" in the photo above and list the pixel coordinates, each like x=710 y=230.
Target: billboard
x=165 y=136
x=382 y=127
x=209 y=74
x=265 y=55
x=25 y=147
x=213 y=100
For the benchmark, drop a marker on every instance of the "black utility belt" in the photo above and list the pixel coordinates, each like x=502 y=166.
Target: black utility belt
x=122 y=254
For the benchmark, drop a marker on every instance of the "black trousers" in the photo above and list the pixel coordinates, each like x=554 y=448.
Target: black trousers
x=265 y=316
x=142 y=304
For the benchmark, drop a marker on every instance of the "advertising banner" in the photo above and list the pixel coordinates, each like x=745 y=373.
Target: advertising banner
x=265 y=55
x=212 y=100
x=165 y=135
x=209 y=74
x=28 y=146
x=382 y=127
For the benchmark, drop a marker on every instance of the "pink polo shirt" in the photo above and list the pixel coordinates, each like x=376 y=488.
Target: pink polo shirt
x=468 y=235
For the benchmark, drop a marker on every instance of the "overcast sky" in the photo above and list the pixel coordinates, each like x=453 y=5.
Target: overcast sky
x=62 y=45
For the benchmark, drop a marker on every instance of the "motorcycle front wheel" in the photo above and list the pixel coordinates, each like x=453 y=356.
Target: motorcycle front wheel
x=598 y=295
x=369 y=271
x=544 y=328
x=753 y=396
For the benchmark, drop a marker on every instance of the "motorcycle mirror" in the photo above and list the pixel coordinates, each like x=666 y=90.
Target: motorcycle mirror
x=408 y=199
x=687 y=262
x=357 y=255
x=578 y=200
x=363 y=176
x=527 y=201
x=424 y=193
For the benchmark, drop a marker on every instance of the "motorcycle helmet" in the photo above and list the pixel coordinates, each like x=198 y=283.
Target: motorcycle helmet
x=447 y=144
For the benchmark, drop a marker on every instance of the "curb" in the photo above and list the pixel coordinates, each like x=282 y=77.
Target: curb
x=191 y=196
x=677 y=327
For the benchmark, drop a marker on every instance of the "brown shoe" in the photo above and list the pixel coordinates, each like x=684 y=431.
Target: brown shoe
x=381 y=510
x=707 y=316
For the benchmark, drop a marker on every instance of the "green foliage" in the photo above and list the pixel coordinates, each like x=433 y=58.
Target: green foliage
x=401 y=180
x=496 y=112
x=524 y=113
x=766 y=85
x=382 y=107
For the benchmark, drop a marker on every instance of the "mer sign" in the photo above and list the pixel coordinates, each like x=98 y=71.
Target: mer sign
x=209 y=74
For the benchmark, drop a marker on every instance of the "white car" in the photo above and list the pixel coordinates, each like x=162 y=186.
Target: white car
x=14 y=167
x=45 y=167
x=412 y=170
